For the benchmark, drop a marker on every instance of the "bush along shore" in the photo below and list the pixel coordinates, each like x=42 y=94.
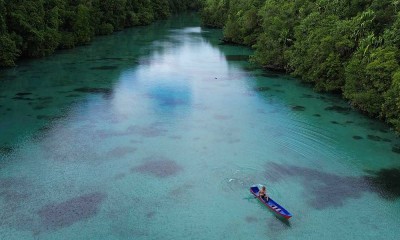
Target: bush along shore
x=348 y=47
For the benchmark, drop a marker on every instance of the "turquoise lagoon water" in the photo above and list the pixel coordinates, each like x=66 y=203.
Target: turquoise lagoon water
x=158 y=132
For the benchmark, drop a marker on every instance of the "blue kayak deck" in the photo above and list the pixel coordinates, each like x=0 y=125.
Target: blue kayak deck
x=274 y=206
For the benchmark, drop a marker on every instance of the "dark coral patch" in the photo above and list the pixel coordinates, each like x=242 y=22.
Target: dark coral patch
x=55 y=216
x=334 y=122
x=119 y=176
x=262 y=89
x=23 y=93
x=237 y=57
x=40 y=107
x=339 y=109
x=396 y=148
x=107 y=134
x=72 y=95
x=307 y=95
x=44 y=129
x=147 y=131
x=317 y=115
x=374 y=138
x=158 y=166
x=180 y=190
x=13 y=192
x=45 y=117
x=222 y=117
x=44 y=98
x=13 y=183
x=298 y=108
x=14 y=196
x=270 y=75
x=22 y=98
x=5 y=150
x=175 y=137
x=251 y=68
x=119 y=152
x=106 y=91
x=251 y=219
x=150 y=214
x=104 y=68
x=357 y=137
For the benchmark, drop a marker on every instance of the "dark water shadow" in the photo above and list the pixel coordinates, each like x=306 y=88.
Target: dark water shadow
x=237 y=57
x=386 y=182
x=339 y=109
x=160 y=167
x=323 y=189
x=396 y=148
x=60 y=215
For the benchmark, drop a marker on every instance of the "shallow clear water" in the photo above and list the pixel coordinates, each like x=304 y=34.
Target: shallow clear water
x=158 y=132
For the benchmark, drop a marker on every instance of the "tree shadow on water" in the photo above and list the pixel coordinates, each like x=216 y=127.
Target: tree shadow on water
x=323 y=190
x=386 y=182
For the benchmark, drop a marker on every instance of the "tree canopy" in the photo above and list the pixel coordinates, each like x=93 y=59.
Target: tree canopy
x=36 y=28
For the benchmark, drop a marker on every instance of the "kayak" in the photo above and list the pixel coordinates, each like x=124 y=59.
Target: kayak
x=271 y=204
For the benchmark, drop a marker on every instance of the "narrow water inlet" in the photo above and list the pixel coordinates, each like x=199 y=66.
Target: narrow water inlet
x=159 y=131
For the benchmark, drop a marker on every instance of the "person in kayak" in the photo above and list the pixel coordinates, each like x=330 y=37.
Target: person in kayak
x=263 y=193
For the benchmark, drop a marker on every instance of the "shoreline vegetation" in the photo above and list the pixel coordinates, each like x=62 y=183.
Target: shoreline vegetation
x=36 y=28
x=349 y=47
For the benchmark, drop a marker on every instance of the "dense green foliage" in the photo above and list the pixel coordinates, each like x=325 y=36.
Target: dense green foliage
x=35 y=28
x=350 y=47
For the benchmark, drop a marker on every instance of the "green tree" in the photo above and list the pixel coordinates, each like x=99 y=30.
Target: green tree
x=391 y=35
x=83 y=31
x=391 y=107
x=279 y=18
x=8 y=51
x=161 y=9
x=369 y=76
x=35 y=36
x=243 y=22
x=215 y=13
x=322 y=49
